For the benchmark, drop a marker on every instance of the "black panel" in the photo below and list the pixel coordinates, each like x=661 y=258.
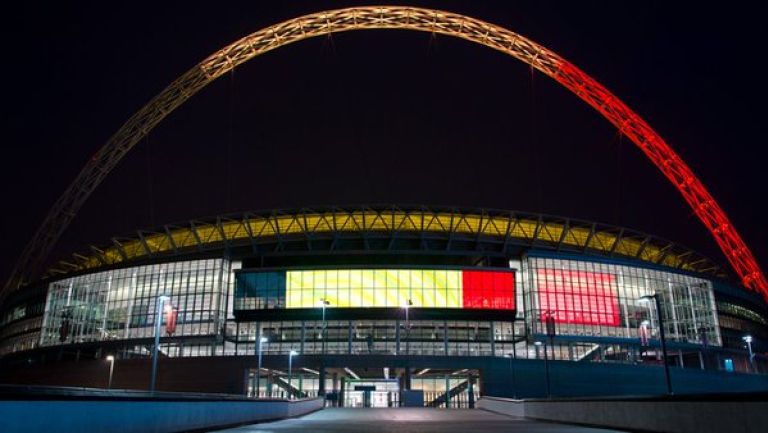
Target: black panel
x=372 y=314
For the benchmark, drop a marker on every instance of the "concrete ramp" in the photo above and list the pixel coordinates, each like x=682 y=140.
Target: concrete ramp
x=46 y=410
x=409 y=420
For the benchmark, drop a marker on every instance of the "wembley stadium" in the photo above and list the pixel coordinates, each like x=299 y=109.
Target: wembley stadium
x=456 y=302
x=387 y=305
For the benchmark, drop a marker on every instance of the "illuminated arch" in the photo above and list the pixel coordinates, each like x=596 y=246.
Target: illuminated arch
x=390 y=17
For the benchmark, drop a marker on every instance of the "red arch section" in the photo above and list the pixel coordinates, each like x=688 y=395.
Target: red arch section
x=673 y=167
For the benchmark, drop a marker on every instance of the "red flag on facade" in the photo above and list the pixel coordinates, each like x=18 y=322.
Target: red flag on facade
x=171 y=314
x=643 y=333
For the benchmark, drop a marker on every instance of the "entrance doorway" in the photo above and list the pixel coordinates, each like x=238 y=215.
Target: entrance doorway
x=372 y=393
x=373 y=387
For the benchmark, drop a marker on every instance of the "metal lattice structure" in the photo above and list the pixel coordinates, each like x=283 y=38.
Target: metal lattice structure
x=35 y=254
x=487 y=232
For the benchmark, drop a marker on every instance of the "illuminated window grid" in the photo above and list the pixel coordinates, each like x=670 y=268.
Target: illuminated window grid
x=694 y=320
x=350 y=288
x=574 y=296
x=120 y=304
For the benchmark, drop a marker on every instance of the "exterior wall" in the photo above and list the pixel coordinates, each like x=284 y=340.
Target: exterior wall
x=20 y=322
x=121 y=304
x=601 y=299
x=598 y=317
x=21 y=335
x=498 y=376
x=223 y=375
x=383 y=337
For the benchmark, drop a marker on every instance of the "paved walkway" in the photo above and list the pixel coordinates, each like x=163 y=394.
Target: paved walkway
x=407 y=420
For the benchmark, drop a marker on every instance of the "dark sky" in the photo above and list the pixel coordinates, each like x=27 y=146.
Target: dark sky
x=382 y=116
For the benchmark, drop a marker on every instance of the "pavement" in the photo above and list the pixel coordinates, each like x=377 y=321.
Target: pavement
x=408 y=420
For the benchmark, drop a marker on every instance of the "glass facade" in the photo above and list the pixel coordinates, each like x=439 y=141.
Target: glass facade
x=386 y=392
x=20 y=326
x=121 y=304
x=604 y=300
x=379 y=337
x=595 y=308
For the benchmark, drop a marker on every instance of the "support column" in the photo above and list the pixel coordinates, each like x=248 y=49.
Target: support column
x=407 y=378
x=342 y=391
x=321 y=381
x=303 y=336
x=471 y=392
x=336 y=387
x=246 y=381
x=349 y=339
x=445 y=337
x=397 y=337
x=492 y=329
x=447 y=391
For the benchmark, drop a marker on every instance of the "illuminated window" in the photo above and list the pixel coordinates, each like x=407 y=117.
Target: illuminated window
x=388 y=288
x=579 y=297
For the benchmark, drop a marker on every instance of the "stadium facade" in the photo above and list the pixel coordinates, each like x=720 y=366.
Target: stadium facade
x=366 y=302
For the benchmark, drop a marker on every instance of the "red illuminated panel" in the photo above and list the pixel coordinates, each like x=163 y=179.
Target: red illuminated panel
x=488 y=290
x=580 y=297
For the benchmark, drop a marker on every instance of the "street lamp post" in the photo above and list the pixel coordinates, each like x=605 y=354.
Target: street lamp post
x=291 y=354
x=512 y=375
x=323 y=303
x=748 y=339
x=111 y=360
x=546 y=366
x=158 y=322
x=324 y=335
x=257 y=386
x=407 y=306
x=655 y=298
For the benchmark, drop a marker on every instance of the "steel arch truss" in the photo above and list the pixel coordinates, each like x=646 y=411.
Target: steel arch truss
x=390 y=17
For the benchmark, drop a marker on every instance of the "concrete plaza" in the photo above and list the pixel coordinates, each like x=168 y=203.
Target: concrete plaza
x=407 y=420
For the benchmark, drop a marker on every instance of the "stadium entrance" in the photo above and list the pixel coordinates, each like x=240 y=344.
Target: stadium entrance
x=373 y=387
x=372 y=393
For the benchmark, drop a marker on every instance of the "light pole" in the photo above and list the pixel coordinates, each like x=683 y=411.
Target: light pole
x=407 y=306
x=162 y=299
x=323 y=303
x=748 y=339
x=512 y=375
x=111 y=360
x=546 y=365
x=259 y=343
x=655 y=298
x=291 y=354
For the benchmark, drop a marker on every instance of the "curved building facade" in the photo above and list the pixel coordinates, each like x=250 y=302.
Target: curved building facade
x=363 y=303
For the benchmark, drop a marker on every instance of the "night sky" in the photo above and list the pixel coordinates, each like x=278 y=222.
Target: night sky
x=382 y=116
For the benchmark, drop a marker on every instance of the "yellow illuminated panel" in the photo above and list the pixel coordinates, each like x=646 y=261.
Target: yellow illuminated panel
x=349 y=288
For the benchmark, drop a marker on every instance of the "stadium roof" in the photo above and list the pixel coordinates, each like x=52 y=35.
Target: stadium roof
x=491 y=227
